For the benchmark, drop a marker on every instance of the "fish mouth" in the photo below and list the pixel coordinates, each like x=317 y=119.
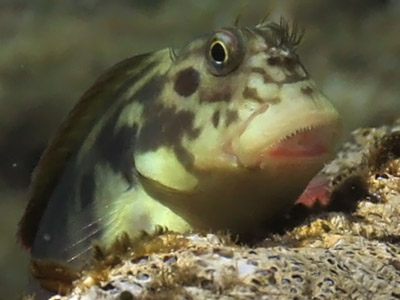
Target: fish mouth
x=312 y=143
x=306 y=142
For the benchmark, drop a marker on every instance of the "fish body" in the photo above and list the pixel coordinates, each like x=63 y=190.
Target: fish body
x=224 y=134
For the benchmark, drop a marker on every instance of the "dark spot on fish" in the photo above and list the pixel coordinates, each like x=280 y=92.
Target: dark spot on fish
x=295 y=77
x=289 y=63
x=274 y=100
x=123 y=144
x=116 y=146
x=87 y=189
x=215 y=118
x=187 y=81
x=274 y=61
x=184 y=156
x=251 y=93
x=231 y=116
x=165 y=126
x=267 y=78
x=258 y=70
x=221 y=93
x=307 y=90
x=150 y=91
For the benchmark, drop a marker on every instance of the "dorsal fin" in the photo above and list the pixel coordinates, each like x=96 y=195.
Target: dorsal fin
x=70 y=135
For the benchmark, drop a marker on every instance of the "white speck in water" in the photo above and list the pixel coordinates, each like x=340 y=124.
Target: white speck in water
x=47 y=237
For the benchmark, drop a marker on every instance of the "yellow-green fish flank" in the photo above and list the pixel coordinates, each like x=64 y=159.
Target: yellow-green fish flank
x=224 y=133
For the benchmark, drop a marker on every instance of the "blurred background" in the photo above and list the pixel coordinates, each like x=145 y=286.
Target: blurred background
x=51 y=51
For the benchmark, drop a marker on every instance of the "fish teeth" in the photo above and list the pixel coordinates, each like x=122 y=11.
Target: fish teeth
x=294 y=133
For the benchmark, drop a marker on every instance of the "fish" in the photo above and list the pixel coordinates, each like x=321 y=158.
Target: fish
x=221 y=134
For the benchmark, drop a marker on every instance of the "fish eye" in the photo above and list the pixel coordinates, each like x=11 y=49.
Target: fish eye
x=225 y=52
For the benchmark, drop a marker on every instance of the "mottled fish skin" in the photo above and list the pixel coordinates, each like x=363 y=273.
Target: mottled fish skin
x=223 y=136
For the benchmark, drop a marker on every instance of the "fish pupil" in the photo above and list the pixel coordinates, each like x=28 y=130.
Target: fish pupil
x=218 y=53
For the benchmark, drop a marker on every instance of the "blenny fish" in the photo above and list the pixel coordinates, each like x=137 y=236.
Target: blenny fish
x=223 y=134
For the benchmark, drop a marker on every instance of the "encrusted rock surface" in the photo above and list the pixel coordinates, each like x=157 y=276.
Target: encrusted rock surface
x=349 y=249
